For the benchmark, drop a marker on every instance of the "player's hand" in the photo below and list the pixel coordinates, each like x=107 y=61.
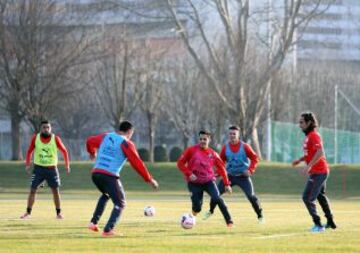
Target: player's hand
x=68 y=170
x=92 y=157
x=295 y=162
x=27 y=170
x=228 y=189
x=154 y=184
x=305 y=170
x=246 y=173
x=192 y=177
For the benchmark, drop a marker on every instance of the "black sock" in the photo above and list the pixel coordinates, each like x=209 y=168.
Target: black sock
x=28 y=210
x=318 y=223
x=58 y=211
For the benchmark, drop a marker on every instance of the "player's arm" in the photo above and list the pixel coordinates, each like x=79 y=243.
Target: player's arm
x=29 y=154
x=60 y=145
x=93 y=143
x=135 y=161
x=317 y=144
x=319 y=153
x=296 y=162
x=250 y=153
x=223 y=154
x=183 y=161
x=220 y=170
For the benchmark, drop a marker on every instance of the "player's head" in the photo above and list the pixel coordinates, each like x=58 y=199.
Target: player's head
x=204 y=138
x=234 y=134
x=307 y=122
x=126 y=128
x=45 y=128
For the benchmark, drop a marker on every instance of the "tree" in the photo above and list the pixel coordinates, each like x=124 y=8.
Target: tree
x=75 y=120
x=228 y=62
x=152 y=69
x=39 y=51
x=183 y=97
x=117 y=84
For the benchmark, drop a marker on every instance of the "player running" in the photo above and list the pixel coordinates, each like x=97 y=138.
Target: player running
x=241 y=163
x=197 y=163
x=318 y=171
x=111 y=151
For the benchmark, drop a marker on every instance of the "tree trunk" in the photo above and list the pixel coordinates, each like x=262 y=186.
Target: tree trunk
x=151 y=137
x=15 y=136
x=255 y=142
x=185 y=142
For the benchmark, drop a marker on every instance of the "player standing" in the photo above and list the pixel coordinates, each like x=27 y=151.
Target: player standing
x=46 y=146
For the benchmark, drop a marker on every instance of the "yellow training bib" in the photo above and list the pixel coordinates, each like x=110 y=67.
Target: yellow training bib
x=45 y=153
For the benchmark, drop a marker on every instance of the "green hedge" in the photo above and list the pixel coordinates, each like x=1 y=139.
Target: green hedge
x=175 y=153
x=160 y=154
x=144 y=154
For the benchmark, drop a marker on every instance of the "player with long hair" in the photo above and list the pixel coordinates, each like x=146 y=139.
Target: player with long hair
x=317 y=170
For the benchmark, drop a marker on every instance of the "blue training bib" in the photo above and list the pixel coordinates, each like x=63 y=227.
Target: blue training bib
x=236 y=163
x=110 y=156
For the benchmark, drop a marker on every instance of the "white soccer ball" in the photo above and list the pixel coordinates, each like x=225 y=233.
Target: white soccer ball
x=149 y=211
x=187 y=221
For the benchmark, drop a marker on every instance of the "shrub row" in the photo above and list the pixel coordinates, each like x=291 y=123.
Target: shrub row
x=161 y=154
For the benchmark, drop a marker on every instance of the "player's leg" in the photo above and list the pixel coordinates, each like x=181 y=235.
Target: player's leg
x=37 y=178
x=214 y=193
x=247 y=186
x=53 y=180
x=117 y=195
x=56 y=197
x=324 y=203
x=100 y=207
x=100 y=182
x=197 y=193
x=310 y=194
x=221 y=188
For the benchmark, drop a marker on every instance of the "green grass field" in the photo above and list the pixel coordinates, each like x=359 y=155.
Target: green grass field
x=278 y=187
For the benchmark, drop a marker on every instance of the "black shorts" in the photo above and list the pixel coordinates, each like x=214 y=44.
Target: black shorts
x=40 y=174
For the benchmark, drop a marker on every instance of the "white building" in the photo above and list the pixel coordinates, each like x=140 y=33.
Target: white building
x=334 y=36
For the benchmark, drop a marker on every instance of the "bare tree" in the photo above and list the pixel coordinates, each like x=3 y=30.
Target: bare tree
x=150 y=105
x=79 y=124
x=38 y=51
x=183 y=98
x=117 y=84
x=230 y=71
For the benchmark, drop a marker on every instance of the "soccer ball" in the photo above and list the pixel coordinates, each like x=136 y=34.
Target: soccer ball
x=187 y=221
x=149 y=211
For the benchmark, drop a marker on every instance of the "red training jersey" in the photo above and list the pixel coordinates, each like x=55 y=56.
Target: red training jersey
x=249 y=153
x=311 y=145
x=201 y=163
x=129 y=149
x=45 y=140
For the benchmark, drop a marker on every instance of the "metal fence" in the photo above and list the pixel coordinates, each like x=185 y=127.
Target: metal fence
x=287 y=141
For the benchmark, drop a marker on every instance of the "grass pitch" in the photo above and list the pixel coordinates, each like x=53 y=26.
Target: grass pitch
x=285 y=230
x=278 y=187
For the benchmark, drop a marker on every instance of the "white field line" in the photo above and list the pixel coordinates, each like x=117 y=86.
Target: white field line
x=264 y=237
x=275 y=236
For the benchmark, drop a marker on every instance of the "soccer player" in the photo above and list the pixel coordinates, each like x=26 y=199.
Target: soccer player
x=111 y=151
x=241 y=163
x=197 y=163
x=318 y=171
x=45 y=146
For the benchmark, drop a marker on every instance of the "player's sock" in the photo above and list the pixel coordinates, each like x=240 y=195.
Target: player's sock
x=58 y=211
x=28 y=210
